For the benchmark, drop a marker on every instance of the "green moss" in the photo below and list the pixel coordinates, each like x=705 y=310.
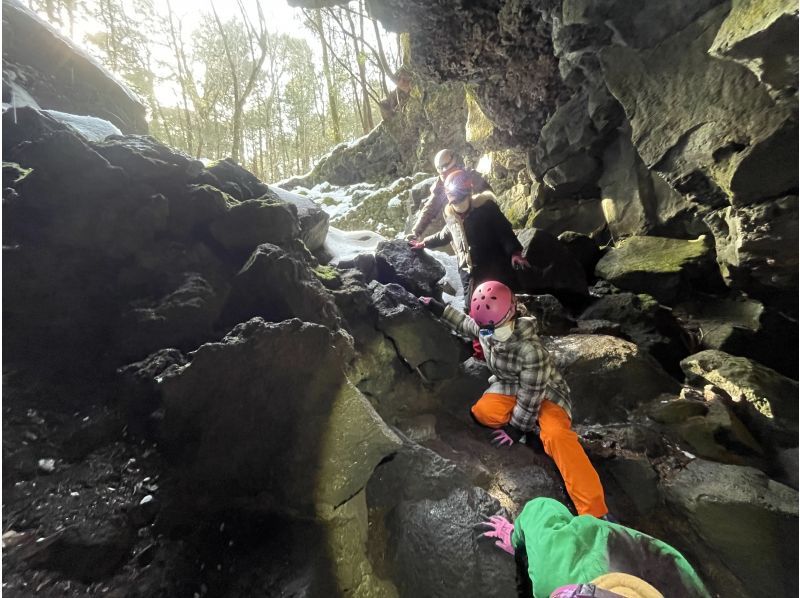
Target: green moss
x=326 y=273
x=327 y=200
x=13 y=173
x=658 y=254
x=479 y=127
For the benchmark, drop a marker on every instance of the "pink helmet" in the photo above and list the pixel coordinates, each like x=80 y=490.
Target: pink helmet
x=492 y=303
x=457 y=186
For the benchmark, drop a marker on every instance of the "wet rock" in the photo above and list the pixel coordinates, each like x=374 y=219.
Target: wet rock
x=425 y=344
x=275 y=285
x=555 y=270
x=255 y=221
x=416 y=271
x=282 y=429
x=743 y=379
x=746 y=519
x=760 y=38
x=607 y=376
x=663 y=268
x=444 y=532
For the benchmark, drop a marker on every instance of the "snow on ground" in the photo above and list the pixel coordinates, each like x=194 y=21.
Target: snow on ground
x=91 y=127
x=337 y=201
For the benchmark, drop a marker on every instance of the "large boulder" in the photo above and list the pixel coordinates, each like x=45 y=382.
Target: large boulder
x=442 y=531
x=555 y=270
x=416 y=271
x=41 y=63
x=743 y=379
x=282 y=429
x=313 y=219
x=663 y=268
x=760 y=36
x=706 y=124
x=424 y=344
x=607 y=376
x=250 y=223
x=745 y=519
x=276 y=285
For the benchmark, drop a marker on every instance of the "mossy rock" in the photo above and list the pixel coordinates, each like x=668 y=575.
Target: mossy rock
x=661 y=267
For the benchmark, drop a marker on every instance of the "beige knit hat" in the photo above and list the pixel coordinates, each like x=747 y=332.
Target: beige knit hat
x=627 y=585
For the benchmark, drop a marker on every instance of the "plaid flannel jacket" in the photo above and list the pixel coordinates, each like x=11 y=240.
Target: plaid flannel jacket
x=520 y=366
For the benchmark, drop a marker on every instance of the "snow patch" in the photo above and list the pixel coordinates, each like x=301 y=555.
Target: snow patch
x=91 y=127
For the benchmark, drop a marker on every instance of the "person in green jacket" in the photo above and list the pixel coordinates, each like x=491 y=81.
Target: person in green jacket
x=565 y=553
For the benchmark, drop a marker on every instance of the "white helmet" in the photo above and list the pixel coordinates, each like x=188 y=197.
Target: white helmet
x=444 y=161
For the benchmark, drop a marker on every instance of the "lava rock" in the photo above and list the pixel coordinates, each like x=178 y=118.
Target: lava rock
x=313 y=219
x=550 y=315
x=416 y=271
x=555 y=271
x=255 y=221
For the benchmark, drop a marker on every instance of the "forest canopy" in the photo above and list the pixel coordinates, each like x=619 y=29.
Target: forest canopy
x=273 y=87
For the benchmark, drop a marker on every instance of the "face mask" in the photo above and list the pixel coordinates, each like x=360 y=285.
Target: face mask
x=504 y=332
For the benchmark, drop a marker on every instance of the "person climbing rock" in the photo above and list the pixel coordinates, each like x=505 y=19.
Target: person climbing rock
x=481 y=236
x=526 y=388
x=446 y=162
x=574 y=557
x=399 y=96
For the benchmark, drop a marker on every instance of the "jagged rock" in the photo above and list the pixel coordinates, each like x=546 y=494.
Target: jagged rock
x=140 y=392
x=231 y=178
x=663 y=268
x=442 y=531
x=551 y=316
x=675 y=411
x=146 y=160
x=183 y=318
x=250 y=223
x=276 y=285
x=743 y=379
x=555 y=270
x=416 y=271
x=742 y=326
x=706 y=124
x=313 y=219
x=645 y=322
x=746 y=519
x=759 y=36
x=195 y=208
x=282 y=429
x=560 y=215
x=757 y=246
x=574 y=175
x=607 y=376
x=427 y=346
x=57 y=74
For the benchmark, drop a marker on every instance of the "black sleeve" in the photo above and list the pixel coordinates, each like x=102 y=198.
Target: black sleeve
x=502 y=229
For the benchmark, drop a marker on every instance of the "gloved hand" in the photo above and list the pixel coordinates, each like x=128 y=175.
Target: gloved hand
x=500 y=528
x=518 y=262
x=436 y=307
x=416 y=245
x=506 y=436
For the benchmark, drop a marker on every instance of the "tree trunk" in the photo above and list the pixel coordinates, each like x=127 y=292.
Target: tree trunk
x=326 y=67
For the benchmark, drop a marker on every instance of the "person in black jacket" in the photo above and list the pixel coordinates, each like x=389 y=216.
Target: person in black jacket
x=481 y=236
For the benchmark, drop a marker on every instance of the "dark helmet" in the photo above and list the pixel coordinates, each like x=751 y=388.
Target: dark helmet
x=458 y=186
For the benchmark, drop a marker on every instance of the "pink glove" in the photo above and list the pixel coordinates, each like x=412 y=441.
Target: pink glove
x=500 y=528
x=518 y=262
x=416 y=245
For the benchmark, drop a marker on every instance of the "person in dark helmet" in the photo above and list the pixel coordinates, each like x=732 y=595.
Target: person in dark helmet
x=527 y=391
x=446 y=162
x=582 y=557
x=481 y=236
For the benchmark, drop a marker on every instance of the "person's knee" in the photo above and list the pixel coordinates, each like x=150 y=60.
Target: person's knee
x=487 y=416
x=555 y=435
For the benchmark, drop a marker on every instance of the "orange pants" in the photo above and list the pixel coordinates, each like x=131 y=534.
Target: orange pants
x=560 y=443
